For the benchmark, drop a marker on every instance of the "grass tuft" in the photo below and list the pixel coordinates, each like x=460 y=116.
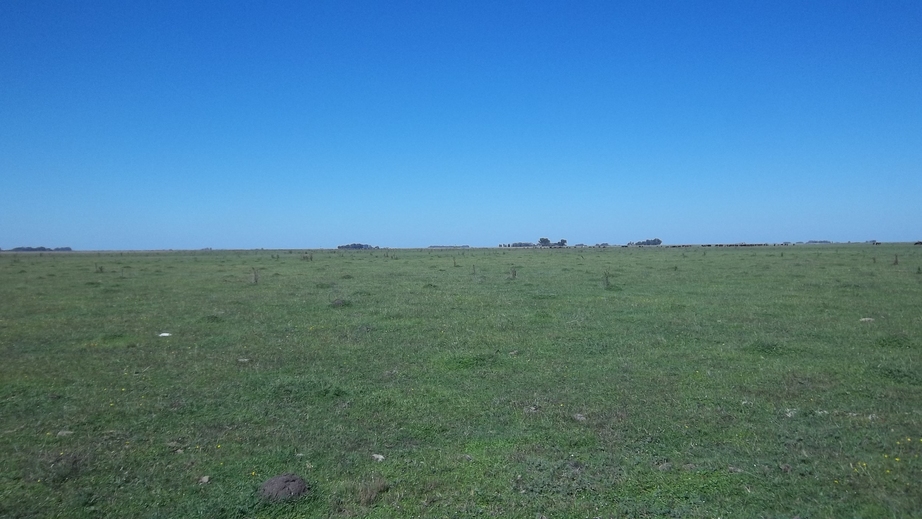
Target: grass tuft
x=370 y=491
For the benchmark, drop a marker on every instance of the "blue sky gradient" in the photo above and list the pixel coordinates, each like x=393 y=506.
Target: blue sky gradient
x=183 y=125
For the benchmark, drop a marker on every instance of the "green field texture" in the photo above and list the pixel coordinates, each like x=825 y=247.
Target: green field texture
x=618 y=382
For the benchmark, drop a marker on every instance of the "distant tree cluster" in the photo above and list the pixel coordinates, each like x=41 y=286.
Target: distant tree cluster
x=357 y=246
x=543 y=242
x=654 y=241
x=41 y=249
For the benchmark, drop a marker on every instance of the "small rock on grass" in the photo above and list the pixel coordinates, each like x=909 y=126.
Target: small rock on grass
x=866 y=320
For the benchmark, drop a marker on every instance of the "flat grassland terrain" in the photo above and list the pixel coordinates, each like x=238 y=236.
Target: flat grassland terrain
x=650 y=382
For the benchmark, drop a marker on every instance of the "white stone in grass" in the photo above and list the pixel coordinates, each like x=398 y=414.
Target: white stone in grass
x=866 y=320
x=377 y=457
x=164 y=334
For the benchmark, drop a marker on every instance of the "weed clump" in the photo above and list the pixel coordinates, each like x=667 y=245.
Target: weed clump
x=606 y=282
x=370 y=491
x=895 y=340
x=764 y=347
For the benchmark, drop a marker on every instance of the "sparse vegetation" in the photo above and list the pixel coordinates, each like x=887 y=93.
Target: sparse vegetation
x=742 y=384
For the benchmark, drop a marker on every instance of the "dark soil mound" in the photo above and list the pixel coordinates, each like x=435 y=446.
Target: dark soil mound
x=284 y=487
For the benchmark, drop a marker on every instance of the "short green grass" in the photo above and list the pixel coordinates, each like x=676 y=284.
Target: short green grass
x=651 y=382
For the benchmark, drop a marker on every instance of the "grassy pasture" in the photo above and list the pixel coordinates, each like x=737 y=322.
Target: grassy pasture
x=594 y=383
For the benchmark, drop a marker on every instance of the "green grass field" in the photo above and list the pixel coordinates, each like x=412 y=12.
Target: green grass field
x=594 y=383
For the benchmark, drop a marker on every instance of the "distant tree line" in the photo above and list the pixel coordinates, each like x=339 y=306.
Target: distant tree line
x=543 y=242
x=41 y=249
x=357 y=246
x=654 y=241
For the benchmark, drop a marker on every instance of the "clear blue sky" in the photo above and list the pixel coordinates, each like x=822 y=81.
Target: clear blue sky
x=188 y=124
